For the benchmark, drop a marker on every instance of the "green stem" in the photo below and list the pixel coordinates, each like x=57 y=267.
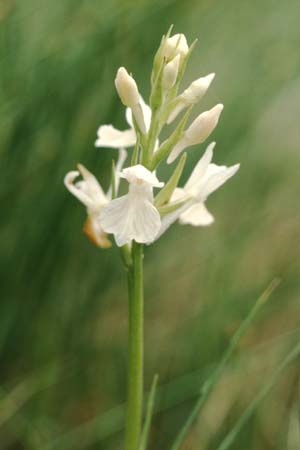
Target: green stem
x=136 y=341
x=152 y=136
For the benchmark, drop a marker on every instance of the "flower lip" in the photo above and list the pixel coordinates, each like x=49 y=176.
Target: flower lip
x=140 y=175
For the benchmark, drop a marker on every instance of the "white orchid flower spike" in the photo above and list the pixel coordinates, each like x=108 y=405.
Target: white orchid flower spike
x=204 y=180
x=108 y=136
x=89 y=192
x=133 y=216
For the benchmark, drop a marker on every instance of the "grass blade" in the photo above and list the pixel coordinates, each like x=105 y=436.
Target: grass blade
x=229 y=439
x=210 y=382
x=149 y=412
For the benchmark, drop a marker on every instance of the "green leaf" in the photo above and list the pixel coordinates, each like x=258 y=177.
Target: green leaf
x=167 y=209
x=166 y=192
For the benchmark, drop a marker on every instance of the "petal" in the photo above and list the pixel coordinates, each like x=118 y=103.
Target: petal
x=137 y=174
x=139 y=117
x=217 y=175
x=146 y=113
x=171 y=218
x=179 y=147
x=200 y=168
x=91 y=186
x=174 y=113
x=128 y=115
x=131 y=220
x=108 y=136
x=76 y=190
x=197 y=215
x=178 y=194
x=203 y=125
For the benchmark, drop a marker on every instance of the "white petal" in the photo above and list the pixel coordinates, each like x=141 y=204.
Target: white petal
x=200 y=168
x=88 y=191
x=130 y=219
x=217 y=175
x=179 y=147
x=174 y=113
x=203 y=125
x=108 y=136
x=139 y=117
x=171 y=218
x=91 y=186
x=128 y=115
x=137 y=174
x=197 y=215
x=197 y=89
x=146 y=113
x=75 y=190
x=177 y=195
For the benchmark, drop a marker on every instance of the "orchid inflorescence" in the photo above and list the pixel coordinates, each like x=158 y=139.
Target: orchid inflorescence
x=139 y=215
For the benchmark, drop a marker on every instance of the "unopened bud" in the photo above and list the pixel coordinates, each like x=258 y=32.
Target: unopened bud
x=197 y=89
x=203 y=125
x=127 y=88
x=191 y=95
x=175 y=45
x=170 y=73
x=198 y=131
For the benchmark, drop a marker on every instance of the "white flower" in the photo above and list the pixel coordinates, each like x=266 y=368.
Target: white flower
x=133 y=216
x=130 y=97
x=110 y=137
x=191 y=95
x=205 y=179
x=198 y=131
x=175 y=45
x=89 y=192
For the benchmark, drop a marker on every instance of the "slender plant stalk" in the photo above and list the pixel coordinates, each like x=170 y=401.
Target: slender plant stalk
x=136 y=345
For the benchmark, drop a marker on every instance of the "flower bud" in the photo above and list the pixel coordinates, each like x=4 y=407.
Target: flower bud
x=175 y=45
x=170 y=73
x=197 y=89
x=191 y=95
x=198 y=131
x=127 y=88
x=203 y=125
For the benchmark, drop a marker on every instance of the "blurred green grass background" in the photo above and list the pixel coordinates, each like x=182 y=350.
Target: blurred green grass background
x=63 y=325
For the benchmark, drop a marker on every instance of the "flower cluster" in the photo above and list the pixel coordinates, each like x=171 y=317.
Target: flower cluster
x=139 y=215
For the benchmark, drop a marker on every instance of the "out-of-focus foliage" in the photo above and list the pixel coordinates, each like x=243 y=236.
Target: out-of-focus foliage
x=63 y=326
